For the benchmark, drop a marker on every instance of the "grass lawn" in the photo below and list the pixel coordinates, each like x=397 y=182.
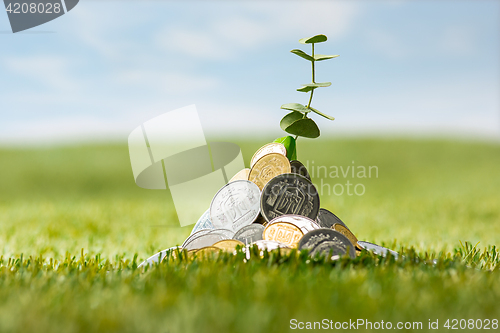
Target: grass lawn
x=74 y=226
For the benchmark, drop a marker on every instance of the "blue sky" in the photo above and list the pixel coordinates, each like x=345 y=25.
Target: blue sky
x=405 y=68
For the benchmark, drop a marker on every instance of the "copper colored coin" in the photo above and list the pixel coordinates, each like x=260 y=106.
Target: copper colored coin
x=283 y=232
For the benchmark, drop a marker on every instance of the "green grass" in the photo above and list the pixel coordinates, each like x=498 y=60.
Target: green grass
x=429 y=196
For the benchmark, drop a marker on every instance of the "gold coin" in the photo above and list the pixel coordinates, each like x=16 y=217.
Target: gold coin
x=207 y=252
x=346 y=232
x=191 y=254
x=228 y=244
x=241 y=175
x=268 y=167
x=285 y=251
x=283 y=232
x=270 y=148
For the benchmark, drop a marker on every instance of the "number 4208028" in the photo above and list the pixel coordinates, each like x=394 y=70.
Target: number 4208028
x=485 y=324
x=32 y=8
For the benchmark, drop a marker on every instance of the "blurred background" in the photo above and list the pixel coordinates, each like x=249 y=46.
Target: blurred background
x=415 y=92
x=405 y=67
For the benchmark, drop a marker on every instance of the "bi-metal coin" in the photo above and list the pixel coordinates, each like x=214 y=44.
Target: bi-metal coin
x=250 y=233
x=236 y=205
x=377 y=249
x=203 y=223
x=194 y=235
x=228 y=245
x=327 y=242
x=289 y=193
x=204 y=241
x=157 y=258
x=241 y=175
x=305 y=224
x=268 y=167
x=270 y=148
x=346 y=232
x=283 y=232
x=299 y=168
x=327 y=219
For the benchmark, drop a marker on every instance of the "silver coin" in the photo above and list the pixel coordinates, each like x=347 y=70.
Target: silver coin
x=268 y=245
x=305 y=224
x=196 y=234
x=250 y=233
x=264 y=245
x=204 y=241
x=226 y=232
x=289 y=194
x=327 y=219
x=377 y=249
x=327 y=241
x=299 y=168
x=236 y=205
x=203 y=222
x=157 y=258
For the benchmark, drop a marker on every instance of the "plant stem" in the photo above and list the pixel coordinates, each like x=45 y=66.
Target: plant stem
x=313 y=78
x=312 y=91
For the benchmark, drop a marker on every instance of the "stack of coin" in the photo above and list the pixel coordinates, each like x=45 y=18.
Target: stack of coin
x=273 y=205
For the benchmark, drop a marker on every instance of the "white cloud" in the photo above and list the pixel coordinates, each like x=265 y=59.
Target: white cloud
x=227 y=33
x=194 y=43
x=51 y=71
x=162 y=81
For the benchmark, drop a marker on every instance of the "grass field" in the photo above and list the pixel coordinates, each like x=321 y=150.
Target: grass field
x=59 y=203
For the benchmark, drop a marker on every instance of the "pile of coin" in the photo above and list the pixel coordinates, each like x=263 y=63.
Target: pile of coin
x=271 y=205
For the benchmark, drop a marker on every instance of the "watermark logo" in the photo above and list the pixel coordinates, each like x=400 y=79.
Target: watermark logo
x=170 y=151
x=25 y=15
x=328 y=179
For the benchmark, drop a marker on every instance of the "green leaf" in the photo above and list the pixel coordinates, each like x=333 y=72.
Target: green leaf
x=320 y=84
x=311 y=86
x=322 y=114
x=295 y=107
x=304 y=127
x=313 y=39
x=319 y=57
x=290 y=145
x=302 y=54
x=303 y=109
x=306 y=88
x=290 y=119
